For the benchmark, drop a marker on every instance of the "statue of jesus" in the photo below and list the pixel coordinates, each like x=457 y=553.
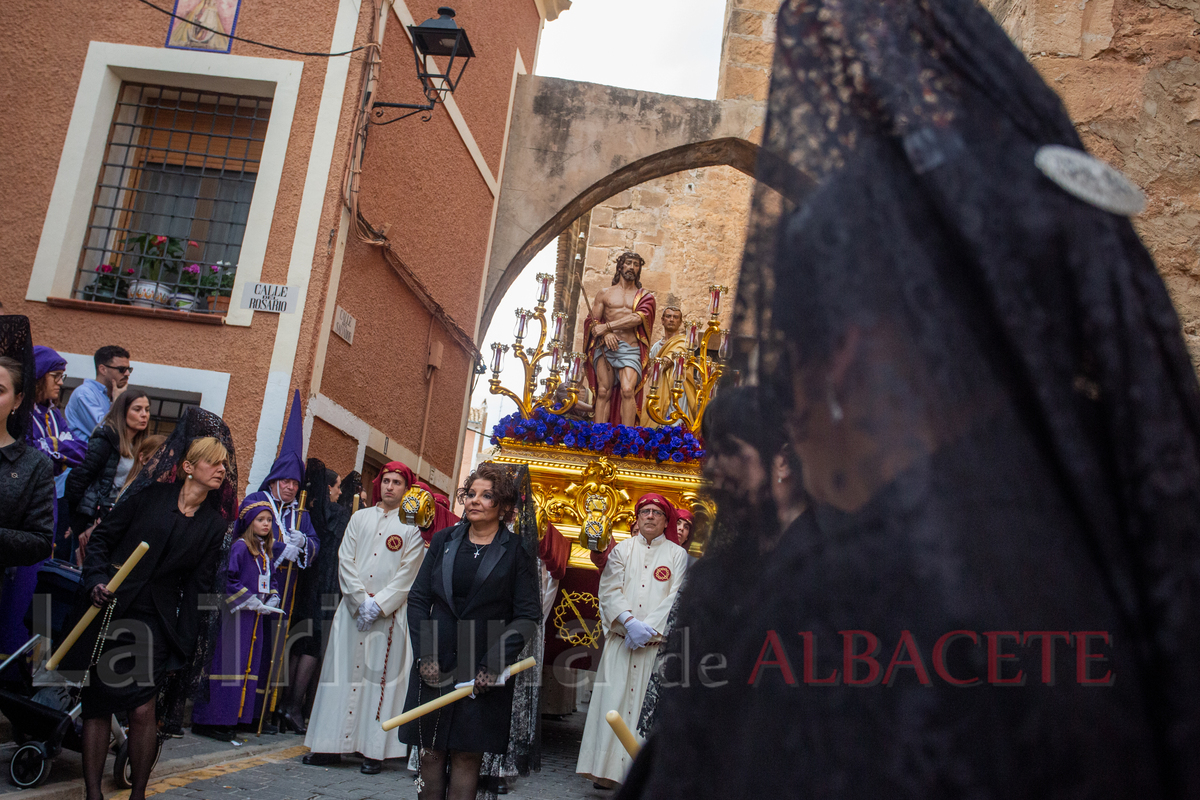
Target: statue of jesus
x=617 y=340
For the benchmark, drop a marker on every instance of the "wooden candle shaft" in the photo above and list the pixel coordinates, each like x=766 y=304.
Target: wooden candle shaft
x=113 y=584
x=447 y=699
x=628 y=740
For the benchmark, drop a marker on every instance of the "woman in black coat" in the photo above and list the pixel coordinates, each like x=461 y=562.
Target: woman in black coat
x=26 y=476
x=477 y=588
x=155 y=615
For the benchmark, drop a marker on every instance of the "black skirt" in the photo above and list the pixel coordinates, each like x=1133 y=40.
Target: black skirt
x=131 y=667
x=471 y=725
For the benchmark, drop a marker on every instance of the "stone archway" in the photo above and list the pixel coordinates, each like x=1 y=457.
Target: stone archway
x=571 y=145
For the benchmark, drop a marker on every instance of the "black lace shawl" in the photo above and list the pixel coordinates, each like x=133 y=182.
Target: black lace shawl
x=998 y=423
x=16 y=342
x=524 y=740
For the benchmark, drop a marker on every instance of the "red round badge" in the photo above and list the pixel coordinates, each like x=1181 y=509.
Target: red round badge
x=662 y=574
x=394 y=543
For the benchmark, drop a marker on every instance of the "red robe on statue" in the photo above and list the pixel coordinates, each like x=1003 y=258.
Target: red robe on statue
x=644 y=305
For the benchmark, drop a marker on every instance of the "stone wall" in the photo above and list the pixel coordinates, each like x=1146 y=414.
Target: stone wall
x=1129 y=74
x=1127 y=70
x=691 y=226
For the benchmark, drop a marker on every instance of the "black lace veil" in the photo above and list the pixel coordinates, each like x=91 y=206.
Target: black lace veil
x=351 y=487
x=524 y=741
x=999 y=427
x=196 y=423
x=16 y=342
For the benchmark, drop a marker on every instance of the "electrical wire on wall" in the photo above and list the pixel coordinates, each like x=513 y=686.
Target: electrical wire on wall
x=363 y=230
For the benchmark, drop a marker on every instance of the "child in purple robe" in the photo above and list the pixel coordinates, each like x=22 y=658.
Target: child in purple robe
x=252 y=594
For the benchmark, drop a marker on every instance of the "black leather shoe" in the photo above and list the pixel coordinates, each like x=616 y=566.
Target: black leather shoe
x=371 y=766
x=322 y=759
x=250 y=727
x=291 y=722
x=220 y=733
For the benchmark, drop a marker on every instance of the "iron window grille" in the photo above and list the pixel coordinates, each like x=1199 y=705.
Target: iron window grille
x=173 y=197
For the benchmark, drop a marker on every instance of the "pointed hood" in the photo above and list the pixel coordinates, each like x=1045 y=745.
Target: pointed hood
x=290 y=461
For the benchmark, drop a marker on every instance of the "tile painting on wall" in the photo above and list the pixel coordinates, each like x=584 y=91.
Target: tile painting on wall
x=203 y=25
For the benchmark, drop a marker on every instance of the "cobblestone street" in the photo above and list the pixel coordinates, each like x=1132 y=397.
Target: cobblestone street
x=282 y=776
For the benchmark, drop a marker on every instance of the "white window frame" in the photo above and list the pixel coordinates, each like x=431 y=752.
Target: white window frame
x=106 y=67
x=212 y=386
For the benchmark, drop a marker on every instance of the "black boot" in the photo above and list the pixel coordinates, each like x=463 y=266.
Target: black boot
x=322 y=759
x=371 y=766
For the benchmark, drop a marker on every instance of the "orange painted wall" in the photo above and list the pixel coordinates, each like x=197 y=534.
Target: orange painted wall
x=333 y=447
x=420 y=181
x=419 y=178
x=45 y=58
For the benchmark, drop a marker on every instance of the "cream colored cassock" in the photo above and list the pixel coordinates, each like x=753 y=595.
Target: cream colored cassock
x=642 y=578
x=379 y=557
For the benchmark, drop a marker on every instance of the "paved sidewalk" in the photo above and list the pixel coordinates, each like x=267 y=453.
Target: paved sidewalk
x=178 y=756
x=269 y=768
x=280 y=775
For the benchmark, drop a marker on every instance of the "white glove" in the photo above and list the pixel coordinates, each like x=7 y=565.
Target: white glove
x=297 y=538
x=368 y=612
x=257 y=606
x=273 y=601
x=637 y=633
x=290 y=553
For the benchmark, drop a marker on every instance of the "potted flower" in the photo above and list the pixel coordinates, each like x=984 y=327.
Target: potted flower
x=216 y=285
x=107 y=285
x=157 y=257
x=189 y=278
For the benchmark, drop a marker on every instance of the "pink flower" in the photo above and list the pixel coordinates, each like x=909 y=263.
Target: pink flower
x=194 y=269
x=192 y=244
x=159 y=239
x=129 y=270
x=215 y=268
x=105 y=268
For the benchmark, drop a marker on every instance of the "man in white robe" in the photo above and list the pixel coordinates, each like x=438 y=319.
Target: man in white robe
x=364 y=678
x=637 y=587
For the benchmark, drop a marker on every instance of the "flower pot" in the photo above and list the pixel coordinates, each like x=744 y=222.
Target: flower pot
x=217 y=303
x=149 y=294
x=99 y=294
x=182 y=301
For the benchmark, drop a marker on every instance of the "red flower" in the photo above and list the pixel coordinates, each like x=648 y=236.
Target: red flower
x=129 y=270
x=192 y=244
x=159 y=239
x=105 y=268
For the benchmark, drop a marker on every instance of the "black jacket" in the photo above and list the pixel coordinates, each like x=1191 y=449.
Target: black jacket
x=177 y=570
x=89 y=490
x=500 y=613
x=26 y=505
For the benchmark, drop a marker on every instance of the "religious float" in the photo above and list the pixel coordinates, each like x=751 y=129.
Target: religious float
x=588 y=475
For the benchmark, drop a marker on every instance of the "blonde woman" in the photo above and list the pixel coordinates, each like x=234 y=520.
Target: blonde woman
x=155 y=614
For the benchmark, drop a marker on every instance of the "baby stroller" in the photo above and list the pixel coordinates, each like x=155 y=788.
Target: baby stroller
x=44 y=708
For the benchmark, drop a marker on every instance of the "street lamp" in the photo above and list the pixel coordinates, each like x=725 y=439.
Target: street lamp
x=440 y=38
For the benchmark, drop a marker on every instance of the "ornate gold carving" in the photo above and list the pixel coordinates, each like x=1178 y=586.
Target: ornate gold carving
x=595 y=504
x=561 y=478
x=417 y=507
x=571 y=602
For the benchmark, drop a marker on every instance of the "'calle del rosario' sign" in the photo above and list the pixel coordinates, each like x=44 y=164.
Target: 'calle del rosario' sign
x=272 y=297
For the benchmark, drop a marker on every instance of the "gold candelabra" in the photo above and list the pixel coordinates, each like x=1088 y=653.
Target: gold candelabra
x=692 y=362
x=531 y=357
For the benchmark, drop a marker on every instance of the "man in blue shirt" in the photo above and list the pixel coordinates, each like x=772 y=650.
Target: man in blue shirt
x=91 y=400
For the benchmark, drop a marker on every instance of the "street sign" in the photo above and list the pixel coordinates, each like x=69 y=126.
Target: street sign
x=343 y=324
x=272 y=297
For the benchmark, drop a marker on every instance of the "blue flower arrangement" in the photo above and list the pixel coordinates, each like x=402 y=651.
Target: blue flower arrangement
x=659 y=444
